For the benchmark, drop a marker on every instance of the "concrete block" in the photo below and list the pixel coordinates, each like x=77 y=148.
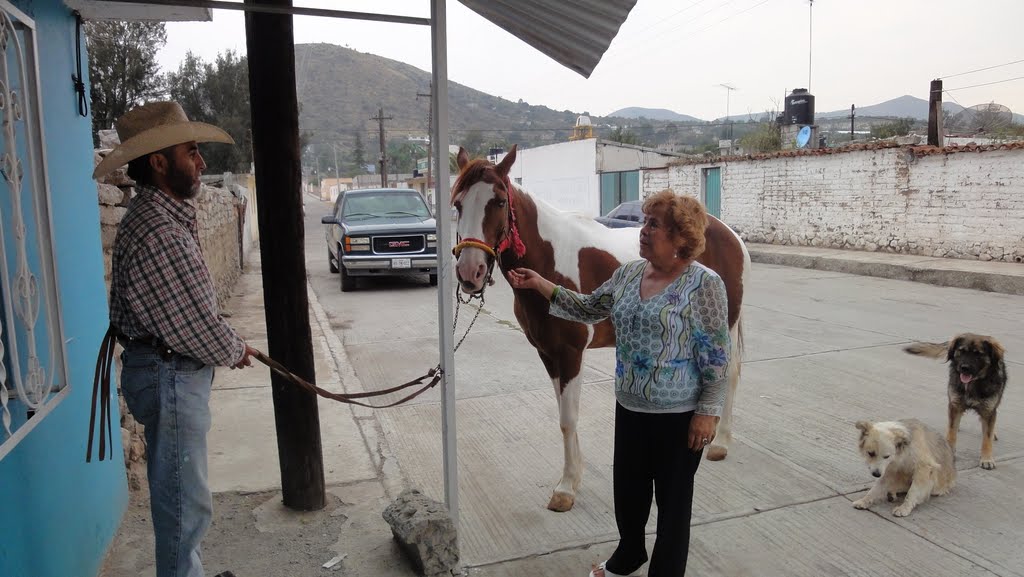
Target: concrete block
x=425 y=532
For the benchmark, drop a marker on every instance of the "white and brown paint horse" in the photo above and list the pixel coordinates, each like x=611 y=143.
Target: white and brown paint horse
x=501 y=222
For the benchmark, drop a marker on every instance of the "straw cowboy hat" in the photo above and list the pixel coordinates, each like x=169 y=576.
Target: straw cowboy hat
x=152 y=127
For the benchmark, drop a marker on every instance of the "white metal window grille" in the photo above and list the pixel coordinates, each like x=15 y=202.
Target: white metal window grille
x=33 y=372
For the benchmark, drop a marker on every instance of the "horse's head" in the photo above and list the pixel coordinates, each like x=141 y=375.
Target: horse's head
x=483 y=197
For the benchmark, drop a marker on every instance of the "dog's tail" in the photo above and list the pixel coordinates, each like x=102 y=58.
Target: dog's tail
x=934 y=350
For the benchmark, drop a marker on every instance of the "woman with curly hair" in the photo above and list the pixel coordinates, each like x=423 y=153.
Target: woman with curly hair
x=671 y=353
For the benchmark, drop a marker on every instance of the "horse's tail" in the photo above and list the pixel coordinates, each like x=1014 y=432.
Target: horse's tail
x=739 y=344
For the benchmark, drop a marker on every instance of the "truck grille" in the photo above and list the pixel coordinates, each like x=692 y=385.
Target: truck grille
x=398 y=244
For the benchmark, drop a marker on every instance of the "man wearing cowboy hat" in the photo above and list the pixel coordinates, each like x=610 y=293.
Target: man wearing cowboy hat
x=163 y=309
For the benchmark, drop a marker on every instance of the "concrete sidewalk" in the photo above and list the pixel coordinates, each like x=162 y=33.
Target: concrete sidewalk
x=1000 y=277
x=253 y=535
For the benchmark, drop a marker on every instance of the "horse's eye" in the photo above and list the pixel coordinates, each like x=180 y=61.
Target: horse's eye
x=502 y=203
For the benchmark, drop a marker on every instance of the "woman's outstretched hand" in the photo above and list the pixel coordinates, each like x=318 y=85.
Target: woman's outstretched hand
x=524 y=278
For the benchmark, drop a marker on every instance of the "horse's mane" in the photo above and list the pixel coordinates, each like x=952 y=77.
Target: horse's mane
x=477 y=170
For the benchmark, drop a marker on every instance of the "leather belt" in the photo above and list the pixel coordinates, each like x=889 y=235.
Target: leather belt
x=164 y=351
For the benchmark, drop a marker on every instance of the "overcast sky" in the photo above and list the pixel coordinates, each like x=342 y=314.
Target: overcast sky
x=674 y=54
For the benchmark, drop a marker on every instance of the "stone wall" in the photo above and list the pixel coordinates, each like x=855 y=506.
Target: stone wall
x=957 y=202
x=217 y=211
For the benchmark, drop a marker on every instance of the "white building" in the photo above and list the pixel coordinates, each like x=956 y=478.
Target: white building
x=589 y=176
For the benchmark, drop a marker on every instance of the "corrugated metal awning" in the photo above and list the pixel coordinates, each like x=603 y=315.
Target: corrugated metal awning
x=574 y=33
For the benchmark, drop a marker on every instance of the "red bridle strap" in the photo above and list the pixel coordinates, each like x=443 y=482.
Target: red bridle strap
x=512 y=239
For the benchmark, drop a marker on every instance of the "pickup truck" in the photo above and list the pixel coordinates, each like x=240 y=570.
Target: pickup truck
x=380 y=232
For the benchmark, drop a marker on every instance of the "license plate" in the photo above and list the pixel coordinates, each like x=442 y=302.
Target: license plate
x=401 y=263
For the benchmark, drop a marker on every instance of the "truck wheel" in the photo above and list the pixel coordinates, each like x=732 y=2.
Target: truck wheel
x=330 y=261
x=348 y=283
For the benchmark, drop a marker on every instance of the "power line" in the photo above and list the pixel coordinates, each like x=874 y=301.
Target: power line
x=647 y=42
x=984 y=84
x=981 y=69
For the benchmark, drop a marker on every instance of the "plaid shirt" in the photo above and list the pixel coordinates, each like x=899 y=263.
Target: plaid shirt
x=161 y=286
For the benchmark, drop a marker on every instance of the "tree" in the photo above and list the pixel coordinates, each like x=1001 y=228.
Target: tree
x=624 y=135
x=123 y=71
x=767 y=137
x=898 y=127
x=217 y=93
x=359 y=154
x=474 y=143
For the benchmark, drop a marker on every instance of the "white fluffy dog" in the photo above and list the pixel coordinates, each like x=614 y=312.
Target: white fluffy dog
x=906 y=456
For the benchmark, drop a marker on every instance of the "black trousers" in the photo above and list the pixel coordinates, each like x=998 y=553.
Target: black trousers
x=652 y=460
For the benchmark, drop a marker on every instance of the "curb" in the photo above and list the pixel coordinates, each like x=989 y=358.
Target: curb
x=376 y=444
x=950 y=277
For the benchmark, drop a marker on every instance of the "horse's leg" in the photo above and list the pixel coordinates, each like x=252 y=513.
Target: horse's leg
x=723 y=436
x=564 y=495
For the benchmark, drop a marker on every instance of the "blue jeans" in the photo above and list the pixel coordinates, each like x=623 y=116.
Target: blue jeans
x=171 y=398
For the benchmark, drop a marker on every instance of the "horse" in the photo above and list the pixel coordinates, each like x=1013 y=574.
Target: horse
x=498 y=222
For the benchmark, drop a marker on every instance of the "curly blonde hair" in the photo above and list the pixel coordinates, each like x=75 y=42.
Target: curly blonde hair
x=686 y=219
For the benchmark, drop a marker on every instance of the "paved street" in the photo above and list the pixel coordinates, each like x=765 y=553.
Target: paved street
x=823 y=350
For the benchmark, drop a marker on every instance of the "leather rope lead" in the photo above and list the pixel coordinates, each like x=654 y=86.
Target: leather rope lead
x=101 y=395
x=434 y=374
x=105 y=360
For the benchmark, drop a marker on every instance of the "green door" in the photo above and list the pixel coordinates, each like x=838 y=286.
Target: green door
x=618 y=187
x=713 y=191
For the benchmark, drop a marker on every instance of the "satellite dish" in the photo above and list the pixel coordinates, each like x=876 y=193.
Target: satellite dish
x=982 y=119
x=803 y=137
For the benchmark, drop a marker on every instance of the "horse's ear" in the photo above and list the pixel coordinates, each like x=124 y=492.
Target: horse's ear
x=462 y=158
x=506 y=163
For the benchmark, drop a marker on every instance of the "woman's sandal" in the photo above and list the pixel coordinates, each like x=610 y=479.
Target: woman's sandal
x=595 y=568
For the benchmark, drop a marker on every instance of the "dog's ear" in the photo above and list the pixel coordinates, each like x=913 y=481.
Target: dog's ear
x=994 y=349
x=900 y=439
x=953 y=345
x=864 y=427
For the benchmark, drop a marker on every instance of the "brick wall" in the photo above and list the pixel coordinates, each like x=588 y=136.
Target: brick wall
x=914 y=200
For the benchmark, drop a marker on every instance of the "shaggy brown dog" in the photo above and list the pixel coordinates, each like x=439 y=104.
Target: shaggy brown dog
x=977 y=378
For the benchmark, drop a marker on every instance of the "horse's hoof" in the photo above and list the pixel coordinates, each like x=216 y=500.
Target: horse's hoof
x=717 y=453
x=561 y=502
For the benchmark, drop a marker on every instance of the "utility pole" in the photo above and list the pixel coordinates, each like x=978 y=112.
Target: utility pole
x=852 y=114
x=935 y=114
x=430 y=137
x=380 y=118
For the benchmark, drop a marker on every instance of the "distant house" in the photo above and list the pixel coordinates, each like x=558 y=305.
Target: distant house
x=58 y=514
x=330 y=188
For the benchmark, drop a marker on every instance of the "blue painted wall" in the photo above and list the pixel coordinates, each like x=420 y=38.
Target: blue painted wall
x=58 y=514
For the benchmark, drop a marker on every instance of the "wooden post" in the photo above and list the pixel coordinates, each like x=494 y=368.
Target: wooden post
x=935 y=136
x=275 y=131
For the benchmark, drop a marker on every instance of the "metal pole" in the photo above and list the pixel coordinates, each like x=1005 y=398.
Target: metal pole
x=337 y=174
x=852 y=113
x=445 y=284
x=810 y=42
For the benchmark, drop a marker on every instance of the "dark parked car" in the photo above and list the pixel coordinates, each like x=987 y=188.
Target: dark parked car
x=625 y=215
x=380 y=232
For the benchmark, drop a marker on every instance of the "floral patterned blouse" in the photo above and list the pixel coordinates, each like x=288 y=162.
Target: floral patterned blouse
x=672 y=349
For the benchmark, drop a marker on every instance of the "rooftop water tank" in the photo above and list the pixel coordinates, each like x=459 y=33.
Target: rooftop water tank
x=799 y=108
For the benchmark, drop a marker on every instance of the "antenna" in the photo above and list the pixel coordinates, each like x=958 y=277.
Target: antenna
x=728 y=90
x=810 y=41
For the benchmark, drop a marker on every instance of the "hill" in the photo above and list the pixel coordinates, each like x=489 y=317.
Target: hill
x=662 y=114
x=905 y=106
x=340 y=89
